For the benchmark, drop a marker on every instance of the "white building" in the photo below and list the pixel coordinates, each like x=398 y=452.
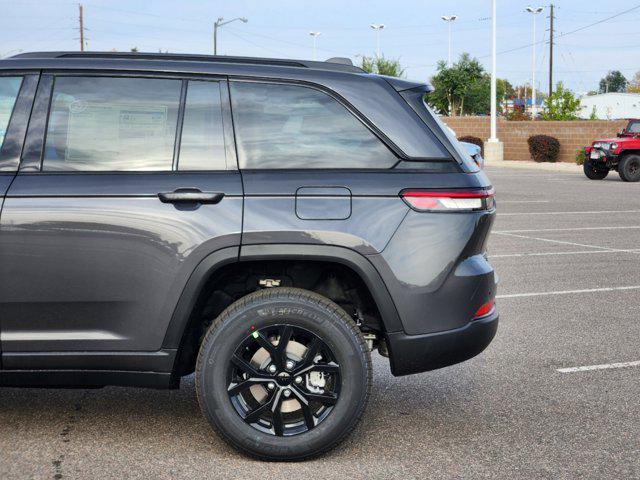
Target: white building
x=610 y=106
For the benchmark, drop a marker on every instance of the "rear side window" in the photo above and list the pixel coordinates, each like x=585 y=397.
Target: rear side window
x=290 y=126
x=112 y=124
x=9 y=88
x=202 y=145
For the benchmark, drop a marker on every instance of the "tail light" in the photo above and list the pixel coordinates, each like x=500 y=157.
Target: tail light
x=449 y=200
x=485 y=309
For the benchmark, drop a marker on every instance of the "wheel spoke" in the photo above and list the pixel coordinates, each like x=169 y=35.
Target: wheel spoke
x=265 y=343
x=247 y=368
x=323 y=398
x=236 y=388
x=325 y=367
x=281 y=351
x=309 y=419
x=255 y=414
x=276 y=414
x=307 y=361
x=278 y=423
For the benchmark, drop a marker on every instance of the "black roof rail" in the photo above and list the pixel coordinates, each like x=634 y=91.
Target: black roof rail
x=337 y=63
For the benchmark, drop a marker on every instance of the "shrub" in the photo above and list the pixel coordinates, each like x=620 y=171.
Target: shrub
x=544 y=148
x=580 y=156
x=518 y=115
x=475 y=140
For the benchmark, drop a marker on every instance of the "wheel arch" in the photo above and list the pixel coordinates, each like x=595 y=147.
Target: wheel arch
x=214 y=265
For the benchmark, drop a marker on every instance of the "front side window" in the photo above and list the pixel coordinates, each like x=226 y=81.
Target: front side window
x=112 y=124
x=9 y=88
x=290 y=126
x=202 y=143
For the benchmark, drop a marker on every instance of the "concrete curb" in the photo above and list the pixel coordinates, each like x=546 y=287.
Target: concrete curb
x=552 y=167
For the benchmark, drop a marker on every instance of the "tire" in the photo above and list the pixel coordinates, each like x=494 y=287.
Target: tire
x=241 y=347
x=629 y=168
x=592 y=172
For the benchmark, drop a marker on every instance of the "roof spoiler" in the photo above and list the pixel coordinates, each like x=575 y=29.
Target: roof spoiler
x=400 y=84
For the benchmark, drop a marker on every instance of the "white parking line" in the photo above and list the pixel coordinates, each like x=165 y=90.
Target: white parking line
x=523 y=201
x=576 y=229
x=564 y=242
x=603 y=366
x=590 y=212
x=544 y=254
x=568 y=292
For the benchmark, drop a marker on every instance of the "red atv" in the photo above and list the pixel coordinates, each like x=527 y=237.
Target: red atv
x=621 y=154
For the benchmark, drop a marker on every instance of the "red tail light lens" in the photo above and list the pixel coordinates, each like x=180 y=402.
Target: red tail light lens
x=449 y=201
x=485 y=309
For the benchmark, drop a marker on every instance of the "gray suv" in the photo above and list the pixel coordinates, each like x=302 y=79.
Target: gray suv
x=263 y=223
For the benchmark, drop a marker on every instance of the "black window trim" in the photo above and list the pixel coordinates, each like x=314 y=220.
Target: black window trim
x=42 y=109
x=16 y=129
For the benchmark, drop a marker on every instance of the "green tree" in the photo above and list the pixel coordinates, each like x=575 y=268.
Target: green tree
x=561 y=105
x=382 y=66
x=614 y=81
x=465 y=88
x=477 y=100
x=452 y=85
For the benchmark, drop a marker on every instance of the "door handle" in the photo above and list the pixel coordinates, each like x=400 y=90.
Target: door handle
x=190 y=195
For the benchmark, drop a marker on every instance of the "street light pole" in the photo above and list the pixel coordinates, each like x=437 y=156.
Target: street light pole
x=493 y=148
x=219 y=23
x=494 y=94
x=315 y=35
x=534 y=107
x=377 y=27
x=449 y=19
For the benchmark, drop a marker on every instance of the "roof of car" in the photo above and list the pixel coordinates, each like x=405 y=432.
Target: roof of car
x=334 y=64
x=199 y=64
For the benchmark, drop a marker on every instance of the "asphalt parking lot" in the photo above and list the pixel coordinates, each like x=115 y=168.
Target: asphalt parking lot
x=567 y=251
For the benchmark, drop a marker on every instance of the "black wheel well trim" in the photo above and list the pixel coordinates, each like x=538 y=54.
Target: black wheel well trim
x=336 y=254
x=223 y=257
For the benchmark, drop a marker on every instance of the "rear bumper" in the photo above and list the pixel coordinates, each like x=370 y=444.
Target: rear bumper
x=420 y=353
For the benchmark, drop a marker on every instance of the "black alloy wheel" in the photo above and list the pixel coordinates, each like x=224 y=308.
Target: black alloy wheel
x=283 y=380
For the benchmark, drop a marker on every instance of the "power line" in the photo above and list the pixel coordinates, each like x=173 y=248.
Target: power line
x=570 y=32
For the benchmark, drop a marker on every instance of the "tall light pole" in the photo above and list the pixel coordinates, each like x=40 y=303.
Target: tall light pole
x=449 y=19
x=493 y=148
x=534 y=11
x=377 y=27
x=315 y=36
x=219 y=23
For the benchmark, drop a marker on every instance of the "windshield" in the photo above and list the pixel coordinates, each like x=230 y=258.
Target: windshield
x=633 y=127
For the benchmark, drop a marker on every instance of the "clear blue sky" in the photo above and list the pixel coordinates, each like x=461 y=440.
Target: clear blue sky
x=414 y=32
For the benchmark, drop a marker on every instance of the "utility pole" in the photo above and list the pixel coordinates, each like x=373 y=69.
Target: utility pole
x=551 y=50
x=81 y=19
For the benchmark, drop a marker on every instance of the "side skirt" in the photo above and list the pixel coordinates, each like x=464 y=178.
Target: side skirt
x=86 y=379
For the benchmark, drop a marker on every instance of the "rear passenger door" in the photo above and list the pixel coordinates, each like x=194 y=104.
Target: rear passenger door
x=126 y=183
x=313 y=170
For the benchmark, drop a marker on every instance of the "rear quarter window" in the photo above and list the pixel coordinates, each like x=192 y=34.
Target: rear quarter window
x=295 y=127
